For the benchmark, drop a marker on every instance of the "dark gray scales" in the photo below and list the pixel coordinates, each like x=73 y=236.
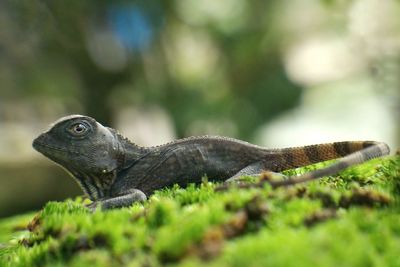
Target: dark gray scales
x=115 y=172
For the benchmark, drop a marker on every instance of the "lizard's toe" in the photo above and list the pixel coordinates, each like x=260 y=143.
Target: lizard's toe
x=92 y=207
x=270 y=176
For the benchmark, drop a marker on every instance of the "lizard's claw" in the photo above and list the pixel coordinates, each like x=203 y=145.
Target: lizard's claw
x=92 y=207
x=267 y=176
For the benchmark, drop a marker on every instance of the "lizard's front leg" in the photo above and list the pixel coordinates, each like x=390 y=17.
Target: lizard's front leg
x=134 y=195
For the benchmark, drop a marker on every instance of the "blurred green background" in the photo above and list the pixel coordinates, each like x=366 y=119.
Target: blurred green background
x=276 y=73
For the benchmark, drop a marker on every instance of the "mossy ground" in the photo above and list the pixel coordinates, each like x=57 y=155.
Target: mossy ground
x=352 y=219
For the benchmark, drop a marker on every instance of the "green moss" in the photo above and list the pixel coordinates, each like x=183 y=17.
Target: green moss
x=346 y=220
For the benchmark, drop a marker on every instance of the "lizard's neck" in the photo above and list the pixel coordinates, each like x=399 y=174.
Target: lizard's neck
x=94 y=186
x=98 y=185
x=128 y=152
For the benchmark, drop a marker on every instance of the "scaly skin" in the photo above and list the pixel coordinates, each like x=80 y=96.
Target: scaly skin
x=115 y=172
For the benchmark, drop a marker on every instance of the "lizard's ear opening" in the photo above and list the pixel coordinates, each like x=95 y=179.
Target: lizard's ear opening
x=106 y=164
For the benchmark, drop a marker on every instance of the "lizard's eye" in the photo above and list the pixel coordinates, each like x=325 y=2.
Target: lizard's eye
x=78 y=129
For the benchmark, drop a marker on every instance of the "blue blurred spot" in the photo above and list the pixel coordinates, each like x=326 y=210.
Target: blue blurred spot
x=132 y=27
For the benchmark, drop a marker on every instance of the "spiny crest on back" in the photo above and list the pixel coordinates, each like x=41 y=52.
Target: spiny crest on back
x=124 y=139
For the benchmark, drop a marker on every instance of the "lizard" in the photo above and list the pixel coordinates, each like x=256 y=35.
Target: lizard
x=115 y=172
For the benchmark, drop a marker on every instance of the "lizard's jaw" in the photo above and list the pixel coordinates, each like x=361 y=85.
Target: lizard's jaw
x=43 y=145
x=38 y=142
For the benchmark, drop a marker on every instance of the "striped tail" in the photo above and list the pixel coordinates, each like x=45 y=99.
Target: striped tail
x=295 y=157
x=350 y=153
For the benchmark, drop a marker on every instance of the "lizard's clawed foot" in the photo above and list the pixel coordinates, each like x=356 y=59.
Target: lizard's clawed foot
x=238 y=179
x=264 y=177
x=272 y=176
x=92 y=207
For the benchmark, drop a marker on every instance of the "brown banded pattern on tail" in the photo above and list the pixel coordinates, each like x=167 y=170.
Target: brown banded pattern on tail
x=302 y=156
x=369 y=150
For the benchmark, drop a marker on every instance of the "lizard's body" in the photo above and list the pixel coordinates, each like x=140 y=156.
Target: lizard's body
x=116 y=172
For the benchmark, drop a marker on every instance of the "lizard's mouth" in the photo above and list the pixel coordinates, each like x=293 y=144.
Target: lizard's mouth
x=39 y=142
x=42 y=145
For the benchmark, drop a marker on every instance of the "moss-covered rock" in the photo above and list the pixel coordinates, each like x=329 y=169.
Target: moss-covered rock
x=351 y=219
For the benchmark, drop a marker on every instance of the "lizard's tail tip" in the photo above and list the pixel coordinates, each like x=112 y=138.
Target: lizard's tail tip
x=380 y=148
x=385 y=149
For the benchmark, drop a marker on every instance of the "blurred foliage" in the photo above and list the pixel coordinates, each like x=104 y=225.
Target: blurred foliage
x=313 y=224
x=44 y=181
x=235 y=74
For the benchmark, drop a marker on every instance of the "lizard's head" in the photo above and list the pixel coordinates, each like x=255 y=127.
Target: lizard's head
x=87 y=149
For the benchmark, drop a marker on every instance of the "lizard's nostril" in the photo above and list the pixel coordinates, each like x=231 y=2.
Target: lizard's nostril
x=38 y=141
